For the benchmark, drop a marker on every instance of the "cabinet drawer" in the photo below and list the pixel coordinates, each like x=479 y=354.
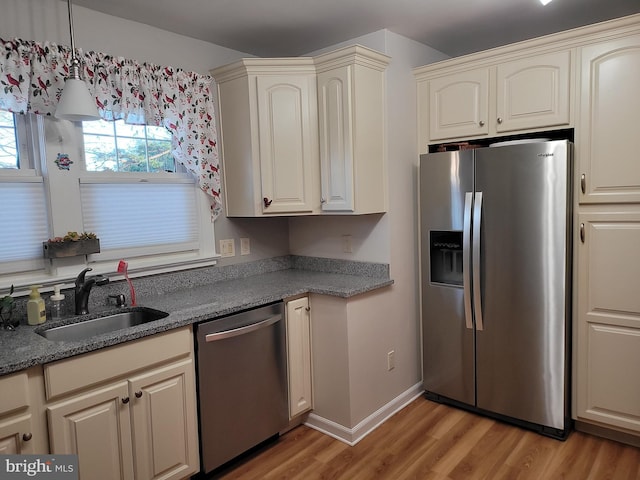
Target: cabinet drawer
x=15 y=392
x=72 y=374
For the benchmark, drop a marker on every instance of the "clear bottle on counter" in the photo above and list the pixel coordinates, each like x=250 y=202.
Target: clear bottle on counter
x=56 y=303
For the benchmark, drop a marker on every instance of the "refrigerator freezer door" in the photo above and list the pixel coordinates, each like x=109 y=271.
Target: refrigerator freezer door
x=521 y=351
x=448 y=362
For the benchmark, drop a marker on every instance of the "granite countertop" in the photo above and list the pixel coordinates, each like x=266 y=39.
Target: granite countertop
x=24 y=348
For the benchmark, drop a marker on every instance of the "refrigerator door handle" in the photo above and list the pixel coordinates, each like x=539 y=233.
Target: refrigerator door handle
x=475 y=256
x=466 y=259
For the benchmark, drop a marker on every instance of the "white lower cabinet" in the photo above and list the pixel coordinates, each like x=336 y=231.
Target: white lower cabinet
x=299 y=356
x=163 y=417
x=608 y=318
x=96 y=427
x=22 y=426
x=129 y=411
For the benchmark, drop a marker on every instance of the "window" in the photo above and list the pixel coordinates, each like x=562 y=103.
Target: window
x=122 y=184
x=131 y=195
x=118 y=147
x=23 y=207
x=8 y=141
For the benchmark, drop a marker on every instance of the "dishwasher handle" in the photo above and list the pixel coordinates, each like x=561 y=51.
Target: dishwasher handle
x=212 y=337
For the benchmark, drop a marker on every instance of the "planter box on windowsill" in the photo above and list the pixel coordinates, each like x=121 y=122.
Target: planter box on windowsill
x=70 y=248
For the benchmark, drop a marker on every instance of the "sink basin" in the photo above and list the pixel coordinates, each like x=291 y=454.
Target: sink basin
x=103 y=324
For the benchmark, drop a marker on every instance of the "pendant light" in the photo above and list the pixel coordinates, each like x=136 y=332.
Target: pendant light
x=76 y=103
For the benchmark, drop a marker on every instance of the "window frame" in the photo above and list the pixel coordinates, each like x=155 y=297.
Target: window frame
x=45 y=137
x=29 y=136
x=147 y=138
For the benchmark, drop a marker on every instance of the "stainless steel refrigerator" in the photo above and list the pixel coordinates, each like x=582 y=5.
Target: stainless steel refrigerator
x=495 y=226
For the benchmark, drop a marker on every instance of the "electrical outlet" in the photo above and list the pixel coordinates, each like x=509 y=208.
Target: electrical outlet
x=391 y=360
x=228 y=248
x=245 y=246
x=346 y=244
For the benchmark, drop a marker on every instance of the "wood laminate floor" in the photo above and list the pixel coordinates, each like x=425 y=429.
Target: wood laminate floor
x=430 y=441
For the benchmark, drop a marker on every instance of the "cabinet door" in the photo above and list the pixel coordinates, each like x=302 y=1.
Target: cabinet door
x=164 y=422
x=287 y=124
x=299 y=356
x=608 y=386
x=97 y=427
x=16 y=433
x=335 y=115
x=459 y=105
x=609 y=126
x=533 y=92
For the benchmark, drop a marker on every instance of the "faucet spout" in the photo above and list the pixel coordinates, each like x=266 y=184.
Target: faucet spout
x=83 y=289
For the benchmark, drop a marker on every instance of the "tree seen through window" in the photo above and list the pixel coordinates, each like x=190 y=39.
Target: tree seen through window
x=118 y=147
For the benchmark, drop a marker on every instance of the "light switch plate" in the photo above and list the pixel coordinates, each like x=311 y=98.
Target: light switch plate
x=228 y=248
x=245 y=246
x=347 y=246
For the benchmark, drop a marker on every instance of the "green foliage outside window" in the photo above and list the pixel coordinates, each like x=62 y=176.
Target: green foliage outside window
x=118 y=147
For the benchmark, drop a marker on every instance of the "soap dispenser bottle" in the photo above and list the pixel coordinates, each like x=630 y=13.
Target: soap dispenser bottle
x=56 y=303
x=36 y=313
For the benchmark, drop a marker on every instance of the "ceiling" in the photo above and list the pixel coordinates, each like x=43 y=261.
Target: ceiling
x=272 y=28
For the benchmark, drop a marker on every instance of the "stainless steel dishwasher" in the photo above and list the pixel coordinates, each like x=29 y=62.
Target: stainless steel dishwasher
x=242 y=382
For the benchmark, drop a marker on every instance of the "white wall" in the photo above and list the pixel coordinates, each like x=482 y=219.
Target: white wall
x=46 y=20
x=389 y=319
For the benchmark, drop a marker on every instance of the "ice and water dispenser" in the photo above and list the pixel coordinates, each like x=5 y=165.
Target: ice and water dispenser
x=446 y=257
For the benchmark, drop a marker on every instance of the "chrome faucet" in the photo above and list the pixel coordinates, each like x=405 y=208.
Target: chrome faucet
x=83 y=288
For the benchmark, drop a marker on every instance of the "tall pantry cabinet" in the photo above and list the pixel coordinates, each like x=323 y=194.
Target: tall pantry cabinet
x=608 y=245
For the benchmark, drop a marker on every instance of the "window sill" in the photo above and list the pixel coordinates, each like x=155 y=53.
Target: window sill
x=137 y=268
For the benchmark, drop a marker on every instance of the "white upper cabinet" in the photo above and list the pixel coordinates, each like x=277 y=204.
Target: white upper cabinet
x=459 y=105
x=608 y=158
x=351 y=106
x=494 y=96
x=533 y=92
x=269 y=136
x=288 y=142
x=291 y=127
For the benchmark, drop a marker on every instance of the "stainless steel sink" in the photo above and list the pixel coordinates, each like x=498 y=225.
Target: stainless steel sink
x=104 y=324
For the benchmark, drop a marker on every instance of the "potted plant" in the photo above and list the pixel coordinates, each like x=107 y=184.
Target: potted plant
x=72 y=244
x=6 y=311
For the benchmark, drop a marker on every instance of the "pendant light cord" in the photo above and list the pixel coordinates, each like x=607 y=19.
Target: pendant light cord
x=75 y=62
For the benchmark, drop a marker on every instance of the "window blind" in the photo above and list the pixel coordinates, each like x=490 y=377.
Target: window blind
x=24 y=217
x=148 y=217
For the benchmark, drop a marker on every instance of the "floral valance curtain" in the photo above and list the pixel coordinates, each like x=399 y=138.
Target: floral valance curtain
x=32 y=77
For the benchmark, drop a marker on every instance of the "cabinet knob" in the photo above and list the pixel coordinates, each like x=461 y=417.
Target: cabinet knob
x=267 y=202
x=323 y=200
x=125 y=400
x=308 y=309
x=499 y=119
x=481 y=123
x=583 y=183
x=27 y=436
x=138 y=394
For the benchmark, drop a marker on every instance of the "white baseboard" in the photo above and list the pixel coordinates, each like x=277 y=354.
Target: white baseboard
x=351 y=436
